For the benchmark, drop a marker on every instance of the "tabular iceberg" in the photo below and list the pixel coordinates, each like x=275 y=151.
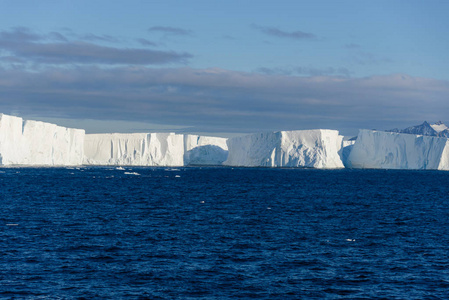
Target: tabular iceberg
x=388 y=150
x=302 y=148
x=35 y=143
x=39 y=143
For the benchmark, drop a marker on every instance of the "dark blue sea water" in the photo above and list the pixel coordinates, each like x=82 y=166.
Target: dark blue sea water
x=223 y=233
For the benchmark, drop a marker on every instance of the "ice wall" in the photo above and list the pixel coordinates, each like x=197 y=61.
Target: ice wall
x=388 y=150
x=303 y=148
x=204 y=150
x=37 y=143
x=153 y=149
x=11 y=140
x=135 y=149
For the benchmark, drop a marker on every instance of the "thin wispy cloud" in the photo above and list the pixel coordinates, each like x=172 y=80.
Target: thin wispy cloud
x=67 y=34
x=11 y=59
x=367 y=58
x=19 y=34
x=306 y=71
x=96 y=37
x=276 y=32
x=56 y=36
x=56 y=48
x=87 y=53
x=146 y=42
x=168 y=30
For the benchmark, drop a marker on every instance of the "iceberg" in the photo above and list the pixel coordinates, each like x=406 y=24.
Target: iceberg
x=389 y=150
x=35 y=143
x=318 y=148
x=38 y=143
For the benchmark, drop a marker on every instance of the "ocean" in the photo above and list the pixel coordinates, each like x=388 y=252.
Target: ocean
x=223 y=233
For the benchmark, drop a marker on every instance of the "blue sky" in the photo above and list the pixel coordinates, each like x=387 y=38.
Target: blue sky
x=227 y=67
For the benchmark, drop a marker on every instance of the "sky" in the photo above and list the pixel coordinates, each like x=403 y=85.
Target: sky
x=225 y=67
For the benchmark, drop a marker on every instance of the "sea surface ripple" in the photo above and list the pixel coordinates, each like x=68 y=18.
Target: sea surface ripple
x=223 y=233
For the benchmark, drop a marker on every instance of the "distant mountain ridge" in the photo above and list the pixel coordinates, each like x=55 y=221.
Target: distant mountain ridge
x=439 y=129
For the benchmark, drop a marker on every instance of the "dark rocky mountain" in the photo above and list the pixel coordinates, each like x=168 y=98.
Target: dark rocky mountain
x=437 y=129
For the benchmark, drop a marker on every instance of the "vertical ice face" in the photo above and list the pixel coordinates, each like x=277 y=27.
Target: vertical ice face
x=135 y=149
x=167 y=149
x=312 y=148
x=115 y=149
x=11 y=140
x=254 y=150
x=302 y=148
x=39 y=143
x=153 y=149
x=388 y=150
x=204 y=150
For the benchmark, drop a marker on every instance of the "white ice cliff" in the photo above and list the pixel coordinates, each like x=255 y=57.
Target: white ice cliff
x=389 y=150
x=37 y=143
x=153 y=149
x=135 y=149
x=34 y=143
x=302 y=148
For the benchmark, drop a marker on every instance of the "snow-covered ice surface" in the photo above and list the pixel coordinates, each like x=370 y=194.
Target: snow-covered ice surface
x=302 y=148
x=388 y=150
x=134 y=149
x=439 y=126
x=36 y=143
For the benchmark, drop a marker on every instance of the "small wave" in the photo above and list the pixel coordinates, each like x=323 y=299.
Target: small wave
x=131 y=173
